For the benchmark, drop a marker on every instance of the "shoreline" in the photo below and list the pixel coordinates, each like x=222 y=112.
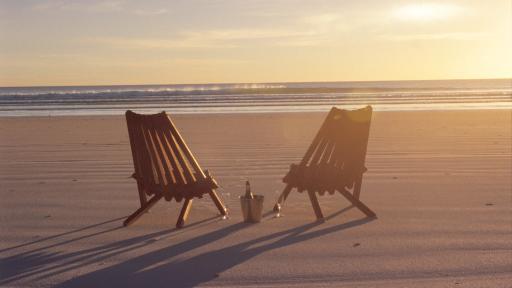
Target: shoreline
x=477 y=107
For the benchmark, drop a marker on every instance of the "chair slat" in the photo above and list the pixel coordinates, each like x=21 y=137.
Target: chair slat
x=327 y=152
x=134 y=147
x=339 y=156
x=319 y=151
x=178 y=157
x=154 y=131
x=137 y=161
x=160 y=126
x=316 y=140
x=183 y=146
x=155 y=163
x=175 y=171
x=145 y=173
x=186 y=166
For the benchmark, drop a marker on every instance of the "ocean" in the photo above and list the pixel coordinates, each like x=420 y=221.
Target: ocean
x=256 y=97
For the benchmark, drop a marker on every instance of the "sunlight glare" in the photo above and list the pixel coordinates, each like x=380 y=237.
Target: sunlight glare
x=425 y=11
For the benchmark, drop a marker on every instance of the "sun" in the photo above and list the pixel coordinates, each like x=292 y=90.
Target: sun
x=424 y=11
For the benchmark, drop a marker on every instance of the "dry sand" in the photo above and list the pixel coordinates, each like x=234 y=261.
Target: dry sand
x=440 y=183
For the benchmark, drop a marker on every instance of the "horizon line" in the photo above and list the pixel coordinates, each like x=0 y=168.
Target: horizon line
x=287 y=82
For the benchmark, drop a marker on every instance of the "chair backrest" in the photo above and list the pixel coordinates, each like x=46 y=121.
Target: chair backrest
x=163 y=162
x=341 y=144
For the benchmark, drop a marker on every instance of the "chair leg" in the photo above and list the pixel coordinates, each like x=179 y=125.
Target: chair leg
x=358 y=203
x=184 y=213
x=316 y=205
x=142 y=193
x=357 y=186
x=143 y=209
x=222 y=209
x=282 y=198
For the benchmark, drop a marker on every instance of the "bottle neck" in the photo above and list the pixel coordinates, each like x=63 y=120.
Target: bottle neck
x=248 y=193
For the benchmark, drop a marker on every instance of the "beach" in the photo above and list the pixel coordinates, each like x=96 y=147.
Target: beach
x=439 y=181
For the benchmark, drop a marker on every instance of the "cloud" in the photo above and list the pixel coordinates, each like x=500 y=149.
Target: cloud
x=245 y=34
x=92 y=6
x=98 y=6
x=321 y=19
x=157 y=43
x=216 y=38
x=150 y=12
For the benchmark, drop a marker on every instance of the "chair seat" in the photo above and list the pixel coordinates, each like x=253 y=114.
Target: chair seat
x=319 y=178
x=178 y=192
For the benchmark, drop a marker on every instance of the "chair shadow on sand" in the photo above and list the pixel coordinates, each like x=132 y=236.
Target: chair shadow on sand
x=43 y=261
x=162 y=267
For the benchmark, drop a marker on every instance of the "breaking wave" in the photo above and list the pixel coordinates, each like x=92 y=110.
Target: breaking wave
x=256 y=97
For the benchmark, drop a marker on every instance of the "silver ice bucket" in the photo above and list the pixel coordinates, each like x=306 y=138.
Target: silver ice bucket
x=252 y=208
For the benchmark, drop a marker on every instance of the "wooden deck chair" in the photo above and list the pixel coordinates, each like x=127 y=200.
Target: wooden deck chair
x=165 y=167
x=334 y=161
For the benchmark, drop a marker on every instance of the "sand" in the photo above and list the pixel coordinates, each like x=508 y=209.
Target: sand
x=439 y=181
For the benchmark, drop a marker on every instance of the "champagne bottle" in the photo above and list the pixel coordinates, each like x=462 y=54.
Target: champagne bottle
x=248 y=193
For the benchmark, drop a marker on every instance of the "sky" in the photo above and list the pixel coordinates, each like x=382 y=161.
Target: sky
x=110 y=42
